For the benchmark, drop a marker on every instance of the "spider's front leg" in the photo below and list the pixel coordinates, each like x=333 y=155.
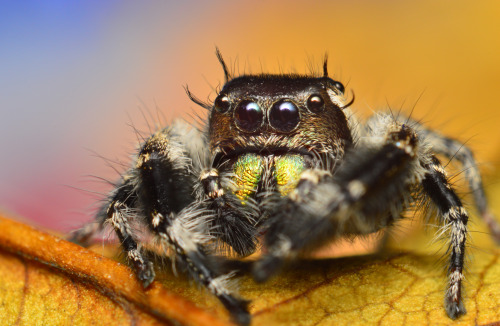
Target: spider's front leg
x=233 y=223
x=368 y=192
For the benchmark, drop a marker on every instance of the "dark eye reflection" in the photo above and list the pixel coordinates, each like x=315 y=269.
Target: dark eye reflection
x=284 y=116
x=222 y=104
x=248 y=116
x=315 y=103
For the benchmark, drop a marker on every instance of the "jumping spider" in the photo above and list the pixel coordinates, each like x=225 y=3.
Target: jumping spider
x=283 y=159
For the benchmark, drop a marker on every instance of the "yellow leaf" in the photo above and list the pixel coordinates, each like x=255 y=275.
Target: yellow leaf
x=48 y=281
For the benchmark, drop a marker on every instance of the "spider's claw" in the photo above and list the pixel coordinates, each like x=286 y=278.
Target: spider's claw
x=75 y=238
x=237 y=307
x=266 y=267
x=83 y=236
x=146 y=274
x=454 y=309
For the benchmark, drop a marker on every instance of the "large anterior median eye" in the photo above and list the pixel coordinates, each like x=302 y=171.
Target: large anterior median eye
x=284 y=116
x=248 y=116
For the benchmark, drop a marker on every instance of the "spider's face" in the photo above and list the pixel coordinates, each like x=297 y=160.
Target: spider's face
x=271 y=114
x=281 y=124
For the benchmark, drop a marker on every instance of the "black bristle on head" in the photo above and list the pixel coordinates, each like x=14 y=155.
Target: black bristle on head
x=325 y=66
x=227 y=76
x=196 y=100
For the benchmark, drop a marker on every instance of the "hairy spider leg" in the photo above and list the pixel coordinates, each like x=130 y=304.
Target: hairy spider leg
x=117 y=214
x=120 y=213
x=454 y=149
x=233 y=223
x=123 y=193
x=454 y=217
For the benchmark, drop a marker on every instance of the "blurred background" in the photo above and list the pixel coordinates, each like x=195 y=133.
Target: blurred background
x=74 y=74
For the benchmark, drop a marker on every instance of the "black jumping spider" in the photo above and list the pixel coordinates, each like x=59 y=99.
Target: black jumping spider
x=283 y=159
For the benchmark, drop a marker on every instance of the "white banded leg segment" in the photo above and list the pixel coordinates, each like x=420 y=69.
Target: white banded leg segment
x=83 y=236
x=455 y=216
x=221 y=284
x=456 y=150
x=143 y=268
x=458 y=234
x=458 y=231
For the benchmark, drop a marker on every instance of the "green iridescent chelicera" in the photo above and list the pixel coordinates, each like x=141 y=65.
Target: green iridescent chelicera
x=248 y=173
x=288 y=168
x=248 y=170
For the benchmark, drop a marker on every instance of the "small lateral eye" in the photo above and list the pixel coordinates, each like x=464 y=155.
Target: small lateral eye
x=315 y=103
x=222 y=103
x=339 y=86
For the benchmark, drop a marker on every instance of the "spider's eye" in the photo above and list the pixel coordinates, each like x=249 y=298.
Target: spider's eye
x=339 y=86
x=284 y=116
x=248 y=116
x=222 y=104
x=315 y=103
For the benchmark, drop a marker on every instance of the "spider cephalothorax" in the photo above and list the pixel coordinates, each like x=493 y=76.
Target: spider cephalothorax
x=283 y=159
x=298 y=123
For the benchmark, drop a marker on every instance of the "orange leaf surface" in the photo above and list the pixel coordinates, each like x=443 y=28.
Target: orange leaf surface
x=47 y=280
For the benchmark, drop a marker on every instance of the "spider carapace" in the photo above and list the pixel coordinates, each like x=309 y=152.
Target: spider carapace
x=282 y=158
